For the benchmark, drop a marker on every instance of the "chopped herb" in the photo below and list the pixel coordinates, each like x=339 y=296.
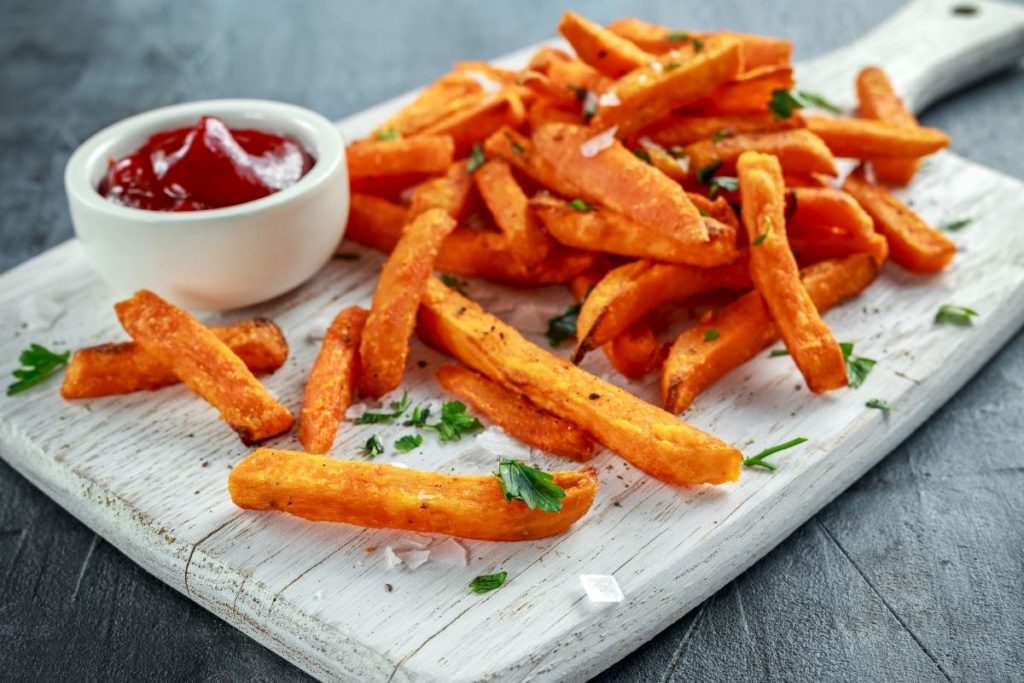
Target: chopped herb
x=581 y=92
x=711 y=334
x=722 y=133
x=759 y=459
x=476 y=158
x=589 y=107
x=455 y=422
x=398 y=408
x=682 y=37
x=563 y=327
x=954 y=315
x=702 y=212
x=879 y=404
x=778 y=352
x=580 y=205
x=857 y=367
x=532 y=486
x=698 y=44
x=953 y=226
x=419 y=417
x=389 y=134
x=38 y=363
x=408 y=443
x=723 y=182
x=452 y=282
x=485 y=583
x=643 y=155
x=812 y=98
x=671 y=66
x=784 y=102
x=374 y=447
x=764 y=235
x=704 y=174
x=517 y=149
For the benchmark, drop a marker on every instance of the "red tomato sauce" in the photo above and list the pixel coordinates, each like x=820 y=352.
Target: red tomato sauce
x=208 y=166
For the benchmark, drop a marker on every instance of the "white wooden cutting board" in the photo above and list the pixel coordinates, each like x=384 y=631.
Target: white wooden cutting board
x=148 y=471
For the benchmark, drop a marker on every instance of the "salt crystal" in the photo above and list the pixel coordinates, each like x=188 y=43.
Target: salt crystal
x=413 y=559
x=601 y=587
x=318 y=328
x=486 y=82
x=657 y=67
x=683 y=163
x=600 y=142
x=319 y=595
x=392 y=558
x=495 y=440
x=355 y=411
x=449 y=551
x=609 y=99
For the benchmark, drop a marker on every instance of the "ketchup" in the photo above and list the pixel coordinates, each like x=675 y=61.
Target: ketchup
x=206 y=167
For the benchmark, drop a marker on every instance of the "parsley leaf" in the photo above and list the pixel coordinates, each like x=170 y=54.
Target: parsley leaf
x=455 y=422
x=723 y=182
x=476 y=158
x=953 y=226
x=671 y=66
x=589 y=105
x=580 y=205
x=408 y=443
x=954 y=315
x=517 y=149
x=452 y=282
x=485 y=583
x=759 y=459
x=722 y=133
x=879 y=404
x=643 y=155
x=374 y=447
x=563 y=327
x=704 y=174
x=683 y=37
x=388 y=134
x=419 y=417
x=811 y=98
x=532 y=486
x=778 y=352
x=857 y=367
x=711 y=334
x=768 y=223
x=397 y=409
x=38 y=363
x=783 y=104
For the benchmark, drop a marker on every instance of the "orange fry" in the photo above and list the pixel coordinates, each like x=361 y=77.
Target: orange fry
x=798 y=151
x=332 y=381
x=680 y=129
x=913 y=244
x=866 y=139
x=744 y=327
x=447 y=94
x=646 y=436
x=385 y=341
x=507 y=202
x=124 y=367
x=519 y=151
x=420 y=154
x=616 y=178
x=757 y=50
x=878 y=100
x=636 y=351
x=820 y=210
x=600 y=48
x=205 y=364
x=452 y=192
x=382 y=496
x=774 y=272
x=473 y=123
x=749 y=93
x=516 y=414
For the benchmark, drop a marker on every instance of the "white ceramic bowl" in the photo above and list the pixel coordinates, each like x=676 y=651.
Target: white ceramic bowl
x=219 y=258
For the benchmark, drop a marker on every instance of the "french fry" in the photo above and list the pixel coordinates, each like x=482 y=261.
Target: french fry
x=125 y=367
x=774 y=272
x=600 y=48
x=205 y=364
x=676 y=79
x=551 y=111
x=798 y=151
x=605 y=230
x=374 y=222
x=516 y=414
x=628 y=293
x=744 y=327
x=757 y=50
x=685 y=129
x=452 y=192
x=878 y=100
x=491 y=112
x=391 y=187
x=749 y=93
x=865 y=139
x=913 y=244
x=646 y=436
x=383 y=496
x=819 y=210
x=636 y=351
x=385 y=340
x=616 y=178
x=507 y=202
x=447 y=94
x=545 y=57
x=574 y=75
x=519 y=151
x=332 y=381
x=420 y=154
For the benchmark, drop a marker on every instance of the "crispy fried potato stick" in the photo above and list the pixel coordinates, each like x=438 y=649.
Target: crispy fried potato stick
x=452 y=192
x=385 y=340
x=636 y=351
x=913 y=244
x=420 y=154
x=744 y=327
x=686 y=129
x=646 y=436
x=474 y=123
x=205 y=364
x=332 y=381
x=821 y=211
x=507 y=203
x=865 y=139
x=517 y=414
x=757 y=50
x=774 y=272
x=616 y=178
x=600 y=48
x=124 y=367
x=448 y=94
x=798 y=151
x=878 y=100
x=749 y=93
x=380 y=496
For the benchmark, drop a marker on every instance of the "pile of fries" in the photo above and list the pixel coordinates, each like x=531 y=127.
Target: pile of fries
x=650 y=169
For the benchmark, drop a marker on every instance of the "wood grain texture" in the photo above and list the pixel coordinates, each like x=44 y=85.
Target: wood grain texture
x=887 y=596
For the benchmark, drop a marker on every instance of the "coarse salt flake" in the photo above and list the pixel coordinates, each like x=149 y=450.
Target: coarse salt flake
x=601 y=588
x=486 y=82
x=609 y=99
x=600 y=142
x=392 y=557
x=449 y=551
x=414 y=558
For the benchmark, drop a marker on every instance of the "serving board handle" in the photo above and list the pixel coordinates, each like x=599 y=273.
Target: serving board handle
x=930 y=49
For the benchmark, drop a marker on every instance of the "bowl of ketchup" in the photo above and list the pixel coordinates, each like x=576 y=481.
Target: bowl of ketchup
x=215 y=204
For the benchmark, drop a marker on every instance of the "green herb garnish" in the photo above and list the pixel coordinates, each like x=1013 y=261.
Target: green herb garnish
x=704 y=174
x=857 y=367
x=485 y=583
x=408 y=443
x=953 y=226
x=682 y=37
x=643 y=155
x=759 y=459
x=419 y=417
x=452 y=282
x=455 y=422
x=580 y=205
x=778 y=352
x=711 y=334
x=397 y=409
x=374 y=447
x=534 y=487
x=563 y=327
x=955 y=315
x=389 y=134
x=768 y=223
x=784 y=102
x=879 y=404
x=38 y=363
x=476 y=157
x=671 y=66
x=517 y=149
x=812 y=98
x=723 y=182
x=722 y=133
